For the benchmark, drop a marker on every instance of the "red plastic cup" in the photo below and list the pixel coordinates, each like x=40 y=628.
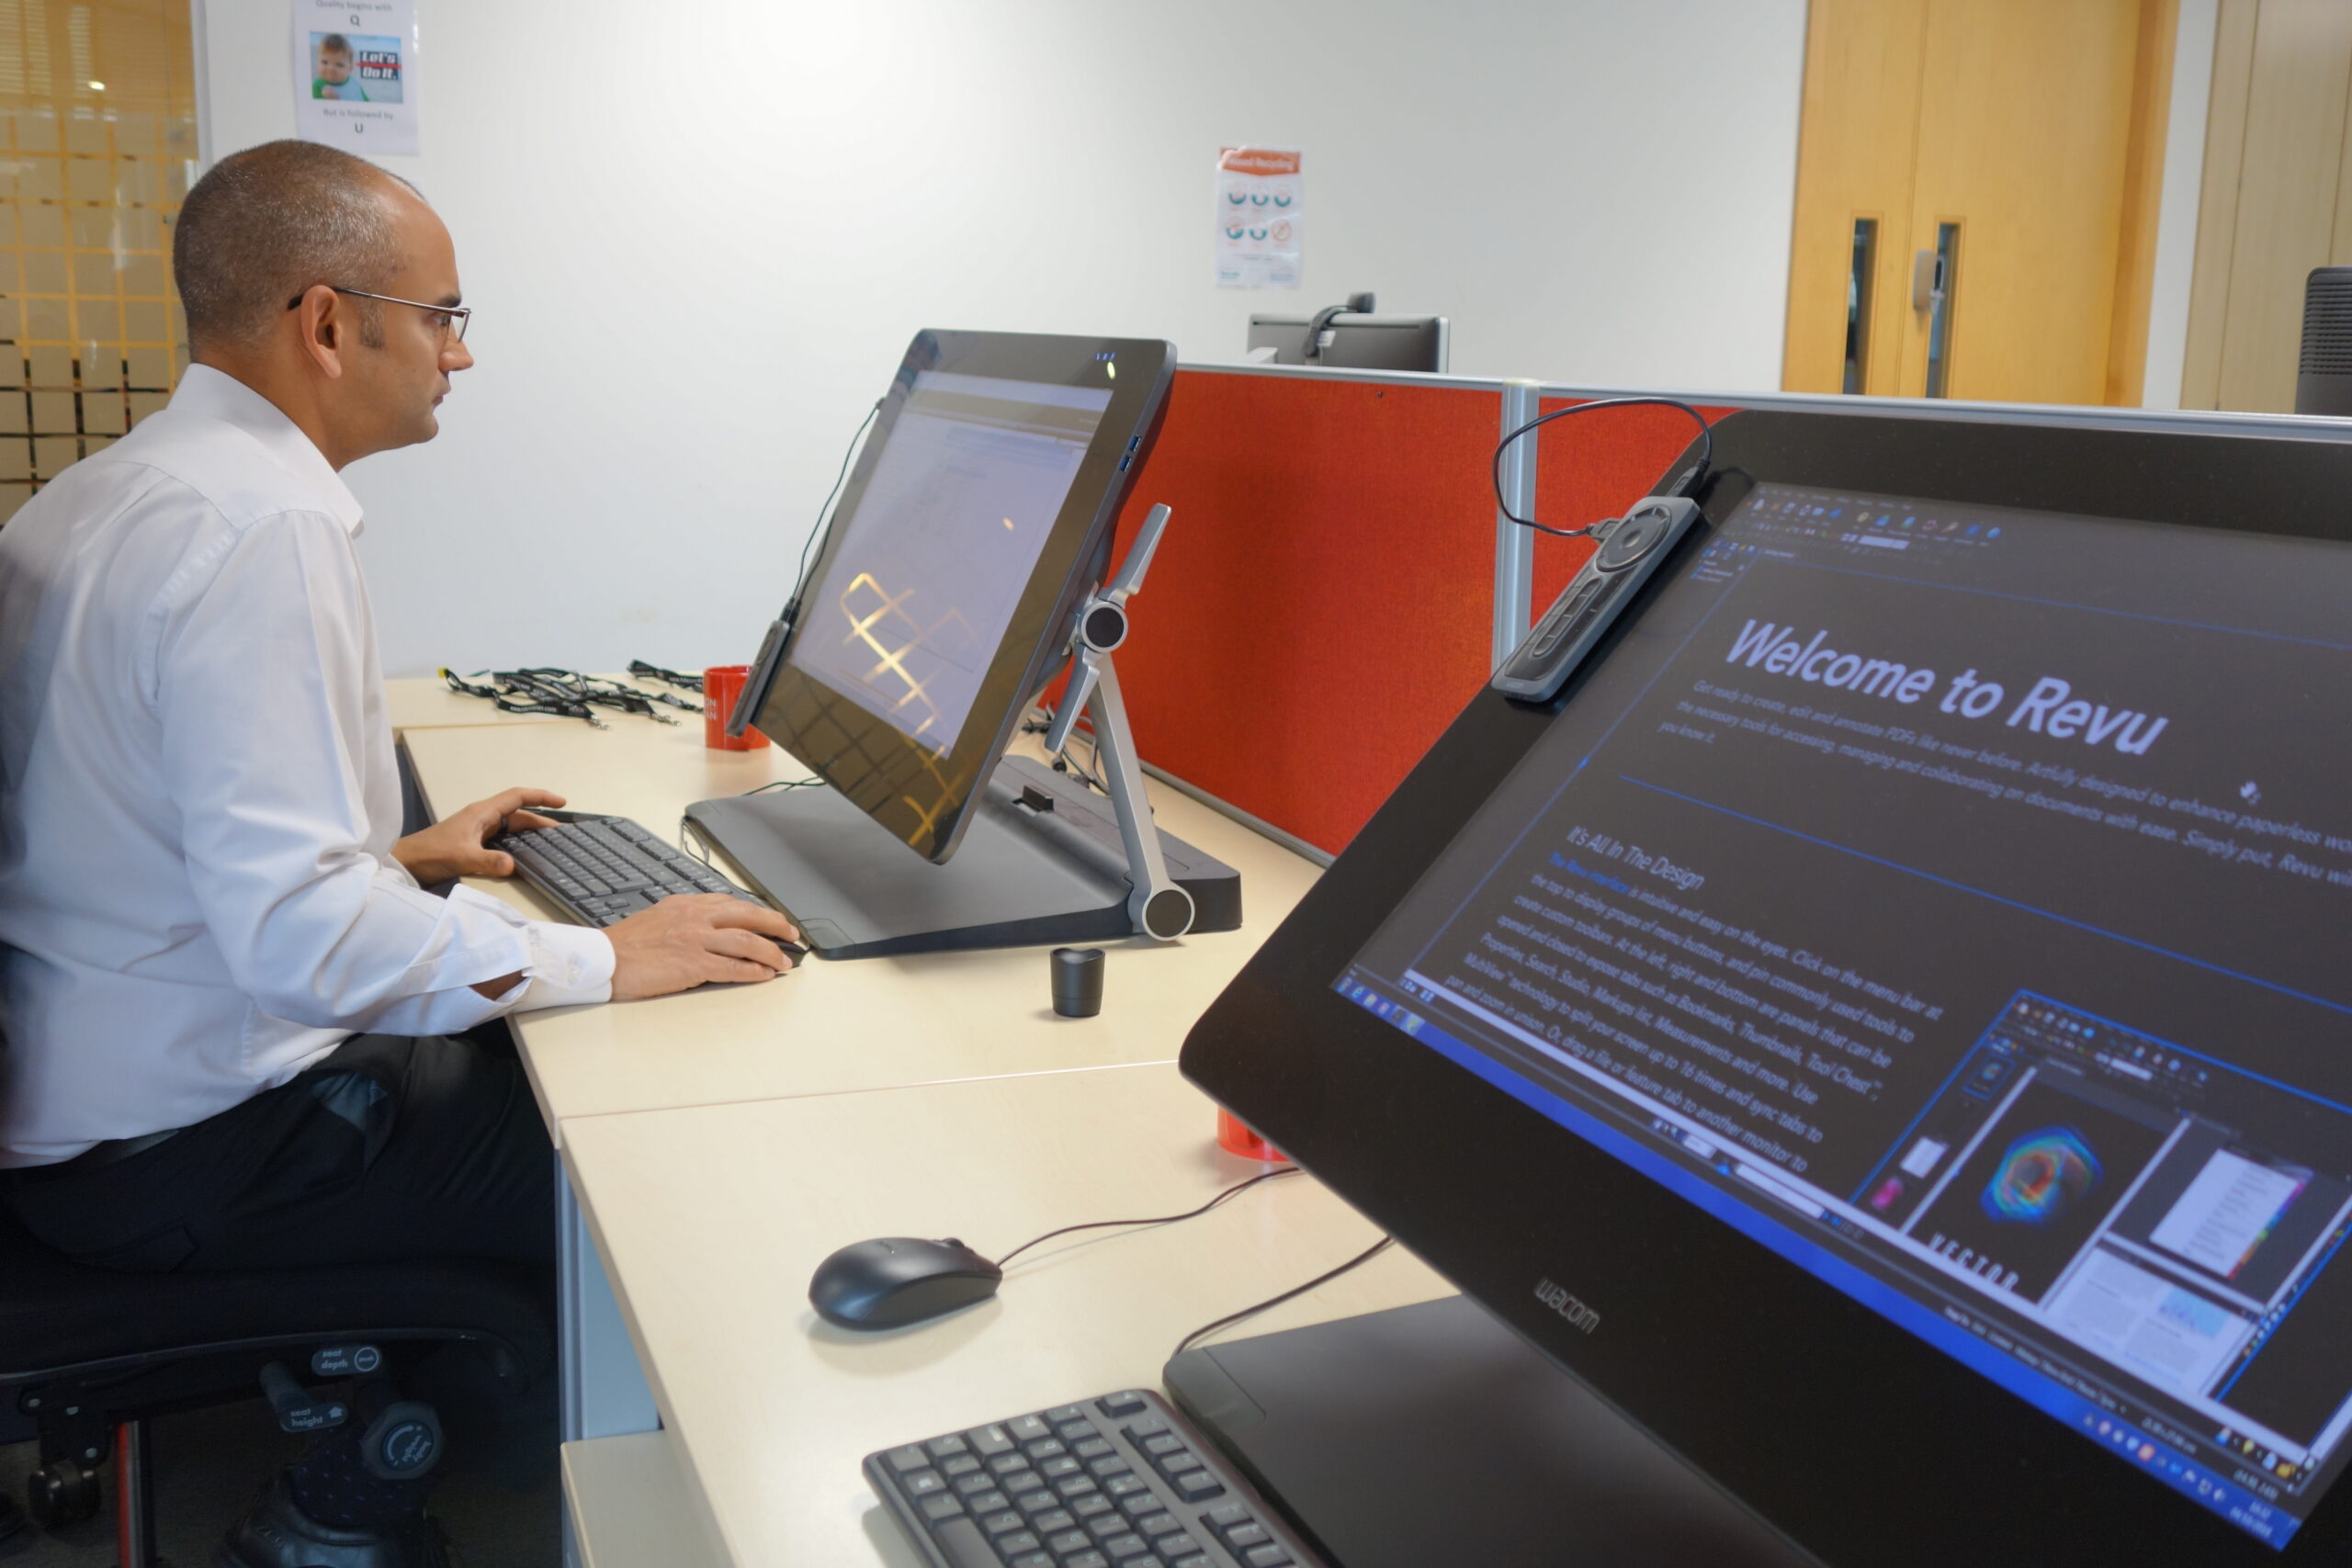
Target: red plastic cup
x=1236 y=1136
x=721 y=685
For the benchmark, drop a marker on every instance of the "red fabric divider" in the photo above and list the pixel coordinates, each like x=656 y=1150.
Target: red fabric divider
x=1321 y=605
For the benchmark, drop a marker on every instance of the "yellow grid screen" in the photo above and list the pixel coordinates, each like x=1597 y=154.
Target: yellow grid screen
x=97 y=106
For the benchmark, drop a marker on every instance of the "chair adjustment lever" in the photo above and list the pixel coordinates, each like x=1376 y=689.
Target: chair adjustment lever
x=297 y=1410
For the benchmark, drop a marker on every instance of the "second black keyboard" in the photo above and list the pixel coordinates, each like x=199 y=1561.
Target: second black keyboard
x=604 y=869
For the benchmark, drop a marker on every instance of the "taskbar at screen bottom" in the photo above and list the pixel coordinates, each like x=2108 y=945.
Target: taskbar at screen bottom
x=2100 y=1420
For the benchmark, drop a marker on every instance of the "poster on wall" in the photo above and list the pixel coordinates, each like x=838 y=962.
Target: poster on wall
x=1259 y=195
x=355 y=74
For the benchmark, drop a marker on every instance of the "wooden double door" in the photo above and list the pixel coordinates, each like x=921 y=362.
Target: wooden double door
x=1976 y=198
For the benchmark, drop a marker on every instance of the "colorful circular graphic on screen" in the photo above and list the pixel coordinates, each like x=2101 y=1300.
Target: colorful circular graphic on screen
x=2043 y=1175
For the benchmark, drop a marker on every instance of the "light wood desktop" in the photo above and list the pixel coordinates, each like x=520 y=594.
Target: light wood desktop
x=713 y=1219
x=832 y=1027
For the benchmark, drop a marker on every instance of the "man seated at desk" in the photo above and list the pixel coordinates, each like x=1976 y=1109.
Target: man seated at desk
x=226 y=1003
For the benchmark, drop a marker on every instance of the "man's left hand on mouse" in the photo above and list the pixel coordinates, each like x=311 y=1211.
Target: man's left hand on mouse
x=458 y=845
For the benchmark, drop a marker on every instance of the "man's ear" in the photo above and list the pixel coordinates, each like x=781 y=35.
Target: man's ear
x=326 y=328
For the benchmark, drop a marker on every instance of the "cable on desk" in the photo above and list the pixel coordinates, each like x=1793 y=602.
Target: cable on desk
x=1688 y=485
x=1156 y=1220
x=1366 y=1256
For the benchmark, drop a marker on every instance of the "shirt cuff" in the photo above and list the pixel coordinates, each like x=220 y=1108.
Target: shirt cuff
x=571 y=966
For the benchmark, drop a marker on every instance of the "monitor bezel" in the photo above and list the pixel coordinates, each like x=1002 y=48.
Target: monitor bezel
x=1036 y=641
x=1805 y=1404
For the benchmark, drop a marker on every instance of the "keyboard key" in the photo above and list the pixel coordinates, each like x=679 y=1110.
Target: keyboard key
x=1007 y=1464
x=944 y=1507
x=984 y=1501
x=1120 y=1485
x=1045 y=1448
x=1198 y=1560
x=941 y=1447
x=1177 y=1545
x=967 y=1485
x=1124 y=1546
x=1055 y=1469
x=1075 y=1432
x=1242 y=1537
x=1225 y=1518
x=1105 y=1526
x=923 y=1483
x=1040 y=1560
x=1140 y=1505
x=1069 y=1540
x=1104 y=1469
x=1094 y=1447
x=1006 y=1522
x=1086 y=1560
x=1087 y=1507
x=963 y=1546
x=907 y=1459
x=1075 y=1486
x=1198 y=1487
x=1014 y=1541
x=962 y=1464
x=1123 y=1404
x=1177 y=1464
x=1159 y=1525
x=1061 y=1413
x=1025 y=1428
x=1038 y=1502
x=1164 y=1443
x=1143 y=1426
x=992 y=1439
x=1267 y=1557
x=1051 y=1520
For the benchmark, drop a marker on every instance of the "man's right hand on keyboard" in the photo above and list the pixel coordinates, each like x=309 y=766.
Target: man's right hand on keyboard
x=686 y=941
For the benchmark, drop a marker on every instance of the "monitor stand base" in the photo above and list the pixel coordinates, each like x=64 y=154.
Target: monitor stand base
x=1021 y=877
x=1432 y=1433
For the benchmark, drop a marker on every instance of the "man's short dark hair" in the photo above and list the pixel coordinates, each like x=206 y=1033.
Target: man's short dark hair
x=266 y=223
x=334 y=43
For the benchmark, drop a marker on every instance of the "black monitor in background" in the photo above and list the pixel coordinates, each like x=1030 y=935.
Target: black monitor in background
x=1886 y=1030
x=1357 y=341
x=976 y=522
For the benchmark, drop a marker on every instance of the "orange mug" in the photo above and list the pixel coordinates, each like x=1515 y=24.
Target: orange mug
x=1236 y=1136
x=721 y=685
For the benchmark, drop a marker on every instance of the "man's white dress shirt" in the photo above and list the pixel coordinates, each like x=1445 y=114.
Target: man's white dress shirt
x=199 y=798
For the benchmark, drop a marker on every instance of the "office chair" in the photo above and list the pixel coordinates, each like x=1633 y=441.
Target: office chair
x=87 y=1356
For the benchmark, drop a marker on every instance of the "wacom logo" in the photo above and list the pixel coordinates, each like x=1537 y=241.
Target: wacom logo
x=1580 y=1317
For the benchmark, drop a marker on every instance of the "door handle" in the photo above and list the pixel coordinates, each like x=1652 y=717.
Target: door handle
x=1927 y=281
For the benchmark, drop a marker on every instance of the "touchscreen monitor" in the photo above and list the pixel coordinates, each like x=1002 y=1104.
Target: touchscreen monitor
x=948 y=576
x=1950 y=899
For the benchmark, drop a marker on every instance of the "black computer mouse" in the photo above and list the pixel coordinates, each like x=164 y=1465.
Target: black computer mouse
x=893 y=1280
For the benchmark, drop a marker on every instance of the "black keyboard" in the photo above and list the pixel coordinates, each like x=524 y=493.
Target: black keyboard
x=604 y=869
x=1119 y=1481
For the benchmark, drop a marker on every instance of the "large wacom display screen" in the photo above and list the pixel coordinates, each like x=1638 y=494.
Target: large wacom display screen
x=910 y=611
x=1953 y=900
x=942 y=597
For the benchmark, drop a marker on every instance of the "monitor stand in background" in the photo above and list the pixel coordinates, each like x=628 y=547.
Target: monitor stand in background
x=1044 y=860
x=1432 y=1433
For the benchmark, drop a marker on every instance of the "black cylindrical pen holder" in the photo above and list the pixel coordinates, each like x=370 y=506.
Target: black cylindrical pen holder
x=1078 y=981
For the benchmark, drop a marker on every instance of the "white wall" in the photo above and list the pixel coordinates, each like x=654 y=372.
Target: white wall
x=698 y=236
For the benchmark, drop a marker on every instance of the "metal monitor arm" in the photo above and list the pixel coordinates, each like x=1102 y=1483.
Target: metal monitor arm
x=1159 y=907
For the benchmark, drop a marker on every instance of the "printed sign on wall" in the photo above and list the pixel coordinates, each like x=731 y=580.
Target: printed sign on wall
x=1259 y=195
x=355 y=74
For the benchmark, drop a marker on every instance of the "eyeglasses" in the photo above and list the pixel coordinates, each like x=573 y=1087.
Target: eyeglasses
x=452 y=322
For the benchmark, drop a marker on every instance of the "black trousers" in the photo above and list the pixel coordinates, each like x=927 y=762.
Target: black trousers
x=391 y=1148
